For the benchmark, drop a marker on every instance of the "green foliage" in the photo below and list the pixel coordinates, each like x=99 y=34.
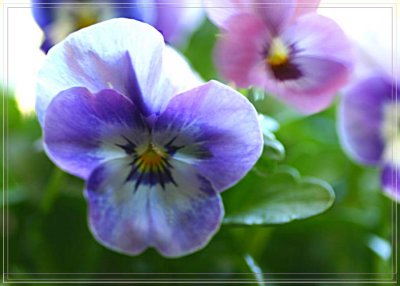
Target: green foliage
x=46 y=215
x=275 y=199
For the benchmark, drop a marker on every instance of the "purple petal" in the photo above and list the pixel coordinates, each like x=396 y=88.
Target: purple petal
x=82 y=129
x=241 y=49
x=214 y=128
x=177 y=22
x=313 y=90
x=176 y=220
x=121 y=54
x=390 y=180
x=360 y=119
x=313 y=35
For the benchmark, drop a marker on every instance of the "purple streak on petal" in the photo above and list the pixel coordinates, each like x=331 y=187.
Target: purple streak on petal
x=242 y=48
x=78 y=125
x=217 y=129
x=390 y=179
x=118 y=215
x=85 y=59
x=360 y=119
x=185 y=216
x=176 y=221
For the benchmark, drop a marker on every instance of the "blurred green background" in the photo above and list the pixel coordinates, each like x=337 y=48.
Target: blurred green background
x=46 y=227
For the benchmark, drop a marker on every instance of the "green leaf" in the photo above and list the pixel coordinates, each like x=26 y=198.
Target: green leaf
x=276 y=199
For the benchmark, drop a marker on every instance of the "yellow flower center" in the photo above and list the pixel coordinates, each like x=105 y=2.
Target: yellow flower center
x=278 y=53
x=152 y=159
x=85 y=18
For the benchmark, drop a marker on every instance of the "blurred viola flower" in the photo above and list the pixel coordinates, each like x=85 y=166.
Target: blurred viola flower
x=283 y=47
x=58 y=18
x=155 y=145
x=368 y=124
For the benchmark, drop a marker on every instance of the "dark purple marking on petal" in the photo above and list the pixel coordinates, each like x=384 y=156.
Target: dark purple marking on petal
x=176 y=221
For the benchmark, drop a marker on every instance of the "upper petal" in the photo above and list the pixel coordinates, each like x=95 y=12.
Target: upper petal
x=241 y=48
x=220 y=11
x=274 y=14
x=82 y=129
x=125 y=55
x=360 y=119
x=305 y=7
x=176 y=220
x=177 y=21
x=214 y=128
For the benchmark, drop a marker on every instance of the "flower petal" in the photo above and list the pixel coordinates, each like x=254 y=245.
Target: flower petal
x=125 y=55
x=390 y=179
x=216 y=129
x=276 y=14
x=82 y=129
x=360 y=119
x=317 y=36
x=176 y=220
x=177 y=22
x=304 y=7
x=240 y=49
x=180 y=73
x=220 y=11
x=313 y=91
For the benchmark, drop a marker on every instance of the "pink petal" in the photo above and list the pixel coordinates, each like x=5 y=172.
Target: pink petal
x=240 y=49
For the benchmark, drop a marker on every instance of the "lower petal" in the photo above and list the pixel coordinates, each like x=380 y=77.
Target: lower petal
x=176 y=220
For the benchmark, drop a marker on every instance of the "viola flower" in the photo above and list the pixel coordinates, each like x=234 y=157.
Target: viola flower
x=285 y=48
x=59 y=18
x=368 y=123
x=122 y=111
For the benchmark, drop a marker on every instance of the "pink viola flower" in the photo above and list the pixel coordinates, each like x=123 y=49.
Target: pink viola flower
x=368 y=123
x=284 y=48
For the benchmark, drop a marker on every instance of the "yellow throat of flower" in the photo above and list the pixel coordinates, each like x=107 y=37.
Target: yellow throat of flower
x=152 y=159
x=278 y=53
x=85 y=18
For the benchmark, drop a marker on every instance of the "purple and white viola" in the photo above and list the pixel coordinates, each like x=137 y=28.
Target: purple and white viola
x=368 y=123
x=155 y=145
x=284 y=48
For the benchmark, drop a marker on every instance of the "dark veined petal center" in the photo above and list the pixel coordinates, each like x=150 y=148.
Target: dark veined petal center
x=278 y=61
x=150 y=164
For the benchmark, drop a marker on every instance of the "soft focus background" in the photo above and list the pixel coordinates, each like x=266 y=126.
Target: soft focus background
x=46 y=226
